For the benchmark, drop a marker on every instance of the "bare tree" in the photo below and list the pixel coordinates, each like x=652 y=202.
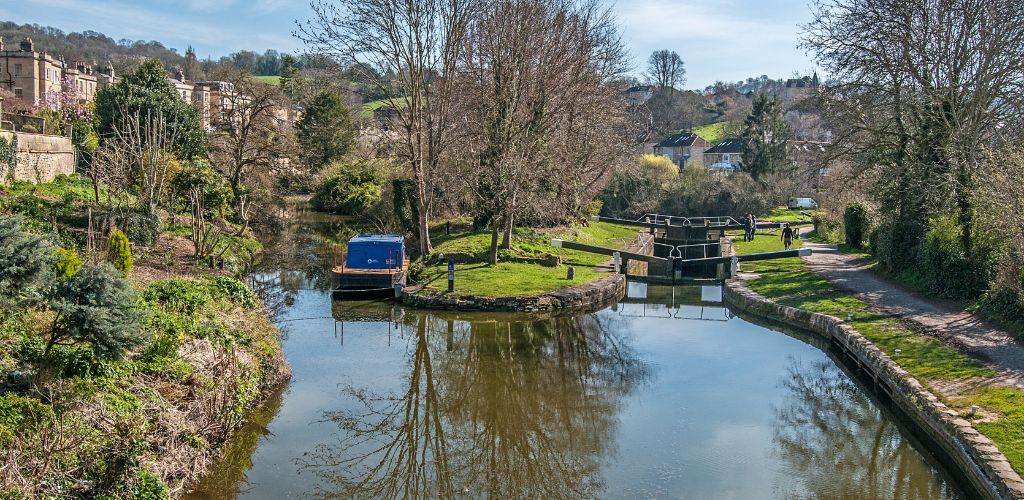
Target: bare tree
x=526 y=65
x=921 y=86
x=252 y=137
x=140 y=150
x=412 y=50
x=665 y=69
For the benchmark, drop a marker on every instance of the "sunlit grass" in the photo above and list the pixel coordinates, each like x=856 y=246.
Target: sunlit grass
x=519 y=278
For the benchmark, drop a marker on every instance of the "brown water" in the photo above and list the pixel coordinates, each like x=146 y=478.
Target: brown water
x=651 y=398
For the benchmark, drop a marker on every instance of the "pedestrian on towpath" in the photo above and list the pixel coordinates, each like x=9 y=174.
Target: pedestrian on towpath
x=787 y=236
x=748 y=227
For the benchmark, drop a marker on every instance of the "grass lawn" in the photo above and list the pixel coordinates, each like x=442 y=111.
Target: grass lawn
x=273 y=80
x=516 y=278
x=368 y=108
x=790 y=282
x=783 y=214
x=712 y=133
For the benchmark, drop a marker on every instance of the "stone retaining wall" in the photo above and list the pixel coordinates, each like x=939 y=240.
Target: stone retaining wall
x=976 y=457
x=41 y=158
x=588 y=297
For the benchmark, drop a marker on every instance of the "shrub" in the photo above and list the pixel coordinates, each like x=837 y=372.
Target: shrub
x=141 y=226
x=119 y=251
x=25 y=264
x=1005 y=304
x=189 y=296
x=235 y=291
x=896 y=244
x=96 y=306
x=855 y=223
x=16 y=411
x=182 y=295
x=947 y=268
x=826 y=226
x=67 y=263
x=349 y=190
x=149 y=487
x=215 y=192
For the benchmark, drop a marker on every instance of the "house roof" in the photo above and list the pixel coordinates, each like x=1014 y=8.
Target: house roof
x=731 y=145
x=641 y=88
x=679 y=140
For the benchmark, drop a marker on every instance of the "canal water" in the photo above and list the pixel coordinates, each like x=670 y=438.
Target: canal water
x=667 y=394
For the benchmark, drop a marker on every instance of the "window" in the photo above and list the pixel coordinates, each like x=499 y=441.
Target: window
x=17 y=70
x=17 y=92
x=47 y=74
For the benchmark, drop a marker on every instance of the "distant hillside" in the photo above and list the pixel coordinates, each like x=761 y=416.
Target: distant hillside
x=88 y=46
x=92 y=46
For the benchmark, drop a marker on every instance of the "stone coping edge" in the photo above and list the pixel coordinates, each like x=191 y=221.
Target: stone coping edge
x=976 y=456
x=586 y=297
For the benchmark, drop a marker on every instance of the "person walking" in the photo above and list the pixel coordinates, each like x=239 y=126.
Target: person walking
x=787 y=236
x=748 y=227
x=753 y=226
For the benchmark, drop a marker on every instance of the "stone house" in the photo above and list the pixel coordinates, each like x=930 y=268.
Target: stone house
x=28 y=74
x=683 y=149
x=726 y=156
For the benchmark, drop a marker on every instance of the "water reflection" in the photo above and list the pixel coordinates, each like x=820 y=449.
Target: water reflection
x=831 y=436
x=637 y=401
x=498 y=408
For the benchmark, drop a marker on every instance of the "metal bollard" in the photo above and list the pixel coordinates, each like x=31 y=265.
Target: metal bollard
x=570 y=273
x=451 y=276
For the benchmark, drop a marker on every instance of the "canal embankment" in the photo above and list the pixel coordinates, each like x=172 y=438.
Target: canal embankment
x=125 y=382
x=953 y=399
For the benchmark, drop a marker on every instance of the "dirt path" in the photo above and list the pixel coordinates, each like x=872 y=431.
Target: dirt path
x=962 y=330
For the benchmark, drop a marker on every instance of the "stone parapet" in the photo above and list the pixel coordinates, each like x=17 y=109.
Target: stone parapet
x=975 y=456
x=41 y=158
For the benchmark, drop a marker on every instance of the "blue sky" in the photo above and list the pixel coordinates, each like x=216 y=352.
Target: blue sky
x=719 y=40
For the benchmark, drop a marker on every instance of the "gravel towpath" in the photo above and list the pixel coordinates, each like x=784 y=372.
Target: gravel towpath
x=958 y=328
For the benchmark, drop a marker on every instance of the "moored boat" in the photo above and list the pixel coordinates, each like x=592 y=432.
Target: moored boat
x=372 y=264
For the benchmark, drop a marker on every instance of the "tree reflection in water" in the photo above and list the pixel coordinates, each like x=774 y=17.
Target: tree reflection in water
x=500 y=409
x=831 y=436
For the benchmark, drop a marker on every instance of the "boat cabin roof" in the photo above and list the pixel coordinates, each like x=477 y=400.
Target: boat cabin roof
x=377 y=238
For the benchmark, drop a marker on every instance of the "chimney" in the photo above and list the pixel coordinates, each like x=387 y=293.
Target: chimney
x=110 y=70
x=26 y=45
x=1 y=43
x=179 y=75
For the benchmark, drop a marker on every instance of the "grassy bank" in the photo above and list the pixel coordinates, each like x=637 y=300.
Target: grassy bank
x=73 y=425
x=144 y=423
x=933 y=363
x=521 y=278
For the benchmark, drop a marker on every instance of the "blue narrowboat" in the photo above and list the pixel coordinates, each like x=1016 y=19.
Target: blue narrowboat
x=372 y=264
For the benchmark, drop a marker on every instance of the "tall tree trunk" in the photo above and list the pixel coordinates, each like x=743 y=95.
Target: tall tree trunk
x=506 y=240
x=492 y=253
x=423 y=217
x=966 y=209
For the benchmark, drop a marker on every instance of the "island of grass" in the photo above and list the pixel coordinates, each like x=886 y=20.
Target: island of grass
x=519 y=271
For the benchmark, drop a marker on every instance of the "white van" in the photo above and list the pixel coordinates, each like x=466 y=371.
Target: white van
x=802 y=203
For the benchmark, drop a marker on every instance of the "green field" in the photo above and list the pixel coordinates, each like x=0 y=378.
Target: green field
x=368 y=108
x=713 y=133
x=273 y=80
x=517 y=278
